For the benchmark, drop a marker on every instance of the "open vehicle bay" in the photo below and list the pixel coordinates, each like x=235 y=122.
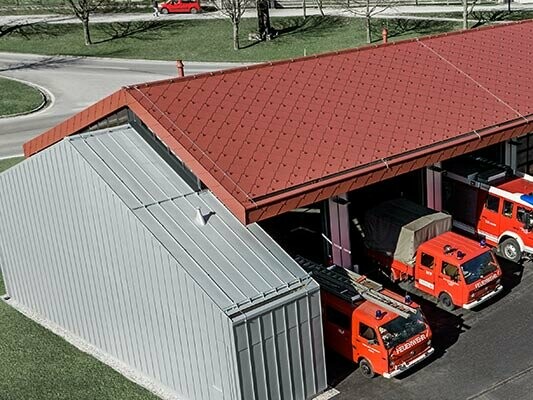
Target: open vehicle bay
x=479 y=354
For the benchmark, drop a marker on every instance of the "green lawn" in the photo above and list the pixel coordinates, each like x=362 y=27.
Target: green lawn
x=211 y=40
x=38 y=365
x=17 y=97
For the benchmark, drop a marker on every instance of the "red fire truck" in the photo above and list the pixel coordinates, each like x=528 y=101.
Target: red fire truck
x=377 y=329
x=493 y=201
x=413 y=243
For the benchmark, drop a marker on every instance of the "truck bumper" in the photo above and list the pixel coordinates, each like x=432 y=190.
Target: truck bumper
x=468 y=306
x=406 y=365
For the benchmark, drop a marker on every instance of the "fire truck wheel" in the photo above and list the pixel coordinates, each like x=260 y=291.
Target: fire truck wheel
x=446 y=302
x=510 y=249
x=366 y=368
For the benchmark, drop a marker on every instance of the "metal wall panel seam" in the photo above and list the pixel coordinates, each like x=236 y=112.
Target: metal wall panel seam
x=183 y=344
x=163 y=168
x=201 y=343
x=224 y=220
x=121 y=281
x=139 y=280
x=163 y=320
x=227 y=219
x=35 y=295
x=45 y=198
x=72 y=226
x=170 y=355
x=214 y=333
x=94 y=257
x=233 y=246
x=8 y=265
x=250 y=358
x=209 y=344
x=79 y=220
x=148 y=182
x=136 y=295
x=99 y=194
x=195 y=263
x=193 y=242
x=300 y=346
x=27 y=295
x=105 y=173
x=311 y=349
x=155 y=307
x=316 y=296
x=114 y=165
x=78 y=263
x=288 y=348
x=191 y=334
x=263 y=361
x=146 y=311
x=276 y=352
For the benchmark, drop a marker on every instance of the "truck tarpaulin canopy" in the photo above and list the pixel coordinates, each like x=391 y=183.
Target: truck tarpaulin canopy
x=397 y=227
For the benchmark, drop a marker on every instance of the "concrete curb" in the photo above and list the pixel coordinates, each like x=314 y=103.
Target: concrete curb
x=46 y=96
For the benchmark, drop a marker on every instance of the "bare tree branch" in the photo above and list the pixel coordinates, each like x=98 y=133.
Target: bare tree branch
x=234 y=10
x=368 y=9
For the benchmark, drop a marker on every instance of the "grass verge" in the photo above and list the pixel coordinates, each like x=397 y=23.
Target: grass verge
x=17 y=97
x=211 y=40
x=38 y=365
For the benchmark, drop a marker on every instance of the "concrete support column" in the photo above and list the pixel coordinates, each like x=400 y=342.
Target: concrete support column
x=511 y=148
x=434 y=187
x=339 y=223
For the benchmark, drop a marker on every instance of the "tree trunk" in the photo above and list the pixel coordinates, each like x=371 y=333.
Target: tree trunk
x=236 y=36
x=320 y=8
x=304 y=7
x=368 y=29
x=465 y=14
x=86 y=31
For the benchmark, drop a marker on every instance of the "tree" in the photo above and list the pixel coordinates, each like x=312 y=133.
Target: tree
x=368 y=9
x=467 y=12
x=234 y=9
x=83 y=9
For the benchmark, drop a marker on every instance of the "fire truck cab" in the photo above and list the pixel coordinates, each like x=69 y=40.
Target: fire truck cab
x=379 y=330
x=492 y=201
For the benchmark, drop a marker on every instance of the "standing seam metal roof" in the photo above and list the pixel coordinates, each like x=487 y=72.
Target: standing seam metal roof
x=272 y=137
x=237 y=266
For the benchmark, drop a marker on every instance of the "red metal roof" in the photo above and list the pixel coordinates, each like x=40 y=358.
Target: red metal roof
x=269 y=138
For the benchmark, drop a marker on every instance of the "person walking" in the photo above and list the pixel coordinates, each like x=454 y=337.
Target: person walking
x=156 y=8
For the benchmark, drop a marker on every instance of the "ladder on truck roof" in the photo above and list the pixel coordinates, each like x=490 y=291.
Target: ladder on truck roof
x=353 y=287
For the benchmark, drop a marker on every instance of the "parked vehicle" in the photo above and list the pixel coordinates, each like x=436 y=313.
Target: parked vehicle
x=377 y=329
x=180 y=6
x=493 y=201
x=413 y=243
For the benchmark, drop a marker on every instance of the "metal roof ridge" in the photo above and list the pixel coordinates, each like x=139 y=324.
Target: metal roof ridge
x=367 y=47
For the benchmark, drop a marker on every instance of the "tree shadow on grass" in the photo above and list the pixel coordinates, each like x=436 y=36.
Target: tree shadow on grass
x=401 y=27
x=121 y=30
x=313 y=26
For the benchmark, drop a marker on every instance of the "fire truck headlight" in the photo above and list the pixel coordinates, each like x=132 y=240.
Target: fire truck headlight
x=472 y=294
x=498 y=281
x=429 y=342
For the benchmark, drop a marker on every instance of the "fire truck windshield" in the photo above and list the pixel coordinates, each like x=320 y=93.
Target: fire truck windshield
x=401 y=329
x=478 y=267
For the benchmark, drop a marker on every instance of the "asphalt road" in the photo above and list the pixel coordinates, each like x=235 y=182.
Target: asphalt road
x=74 y=83
x=484 y=354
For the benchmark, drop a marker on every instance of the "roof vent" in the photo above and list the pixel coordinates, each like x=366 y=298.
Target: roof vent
x=199 y=219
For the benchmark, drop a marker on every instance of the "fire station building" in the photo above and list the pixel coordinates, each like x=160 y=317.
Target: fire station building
x=158 y=224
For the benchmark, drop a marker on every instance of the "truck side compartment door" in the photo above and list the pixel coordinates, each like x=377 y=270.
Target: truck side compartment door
x=425 y=273
x=489 y=220
x=338 y=331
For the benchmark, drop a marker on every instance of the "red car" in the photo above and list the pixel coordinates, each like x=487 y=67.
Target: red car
x=180 y=6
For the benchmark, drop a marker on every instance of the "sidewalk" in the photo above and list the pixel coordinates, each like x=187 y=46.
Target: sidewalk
x=287 y=12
